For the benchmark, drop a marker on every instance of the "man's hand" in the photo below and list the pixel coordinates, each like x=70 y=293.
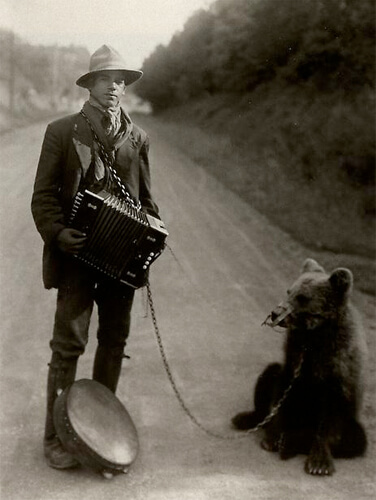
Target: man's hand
x=70 y=240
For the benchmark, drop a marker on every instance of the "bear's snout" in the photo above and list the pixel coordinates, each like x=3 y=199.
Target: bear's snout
x=280 y=314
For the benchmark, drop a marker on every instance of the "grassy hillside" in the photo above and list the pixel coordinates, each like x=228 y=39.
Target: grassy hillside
x=296 y=159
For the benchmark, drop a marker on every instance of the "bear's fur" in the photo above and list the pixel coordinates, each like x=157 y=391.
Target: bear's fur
x=319 y=416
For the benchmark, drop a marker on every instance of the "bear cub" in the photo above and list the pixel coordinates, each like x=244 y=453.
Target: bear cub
x=324 y=361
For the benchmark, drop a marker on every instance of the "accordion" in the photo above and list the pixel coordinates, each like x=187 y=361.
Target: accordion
x=122 y=240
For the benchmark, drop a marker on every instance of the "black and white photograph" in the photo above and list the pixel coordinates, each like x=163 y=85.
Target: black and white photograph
x=187 y=250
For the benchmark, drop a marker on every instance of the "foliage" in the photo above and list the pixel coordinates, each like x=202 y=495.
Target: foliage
x=236 y=45
x=318 y=56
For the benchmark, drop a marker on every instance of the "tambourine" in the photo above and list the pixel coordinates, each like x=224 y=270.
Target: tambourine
x=94 y=426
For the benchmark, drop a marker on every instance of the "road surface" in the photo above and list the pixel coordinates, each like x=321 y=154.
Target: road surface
x=228 y=268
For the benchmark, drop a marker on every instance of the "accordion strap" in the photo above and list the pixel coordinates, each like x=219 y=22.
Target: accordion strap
x=109 y=160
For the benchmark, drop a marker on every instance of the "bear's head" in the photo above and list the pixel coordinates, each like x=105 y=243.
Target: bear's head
x=314 y=298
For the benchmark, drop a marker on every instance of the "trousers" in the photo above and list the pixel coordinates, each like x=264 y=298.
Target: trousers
x=78 y=291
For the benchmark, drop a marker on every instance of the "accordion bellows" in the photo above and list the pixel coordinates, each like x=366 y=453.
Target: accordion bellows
x=122 y=241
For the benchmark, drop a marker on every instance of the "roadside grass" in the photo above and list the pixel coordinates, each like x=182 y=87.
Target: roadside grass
x=281 y=153
x=324 y=213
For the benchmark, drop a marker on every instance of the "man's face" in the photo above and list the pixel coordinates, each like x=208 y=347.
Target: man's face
x=107 y=88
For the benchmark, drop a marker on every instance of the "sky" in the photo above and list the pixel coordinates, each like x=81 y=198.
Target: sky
x=133 y=27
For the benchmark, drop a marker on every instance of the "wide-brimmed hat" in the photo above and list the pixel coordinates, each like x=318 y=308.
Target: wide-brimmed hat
x=108 y=59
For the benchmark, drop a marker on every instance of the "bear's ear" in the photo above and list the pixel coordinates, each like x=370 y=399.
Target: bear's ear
x=341 y=280
x=311 y=266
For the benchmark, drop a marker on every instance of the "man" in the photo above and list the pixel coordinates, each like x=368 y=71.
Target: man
x=98 y=148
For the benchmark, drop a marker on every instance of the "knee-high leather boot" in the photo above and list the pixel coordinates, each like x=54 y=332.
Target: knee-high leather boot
x=107 y=366
x=61 y=373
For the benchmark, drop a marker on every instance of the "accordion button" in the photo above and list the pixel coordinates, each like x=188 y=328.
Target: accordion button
x=144 y=267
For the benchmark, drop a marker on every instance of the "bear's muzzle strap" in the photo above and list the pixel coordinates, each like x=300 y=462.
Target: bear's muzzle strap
x=285 y=311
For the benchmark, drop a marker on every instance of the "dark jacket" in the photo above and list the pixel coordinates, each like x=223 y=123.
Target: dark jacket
x=65 y=158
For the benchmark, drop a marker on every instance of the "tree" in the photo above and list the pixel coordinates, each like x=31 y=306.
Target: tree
x=236 y=45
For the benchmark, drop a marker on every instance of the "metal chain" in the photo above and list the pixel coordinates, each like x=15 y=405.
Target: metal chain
x=209 y=432
x=109 y=159
x=277 y=407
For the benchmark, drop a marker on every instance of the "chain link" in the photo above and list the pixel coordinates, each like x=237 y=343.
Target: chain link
x=109 y=160
x=209 y=432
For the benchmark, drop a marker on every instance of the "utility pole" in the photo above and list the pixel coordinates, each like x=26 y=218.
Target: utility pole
x=54 y=95
x=12 y=73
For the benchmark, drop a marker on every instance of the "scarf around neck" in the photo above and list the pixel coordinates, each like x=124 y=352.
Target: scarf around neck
x=97 y=114
x=112 y=115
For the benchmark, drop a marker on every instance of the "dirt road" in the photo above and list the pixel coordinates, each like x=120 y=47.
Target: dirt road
x=229 y=268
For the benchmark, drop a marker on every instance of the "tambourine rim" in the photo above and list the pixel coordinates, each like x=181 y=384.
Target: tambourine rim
x=75 y=444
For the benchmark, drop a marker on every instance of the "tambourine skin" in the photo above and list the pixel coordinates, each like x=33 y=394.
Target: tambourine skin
x=94 y=426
